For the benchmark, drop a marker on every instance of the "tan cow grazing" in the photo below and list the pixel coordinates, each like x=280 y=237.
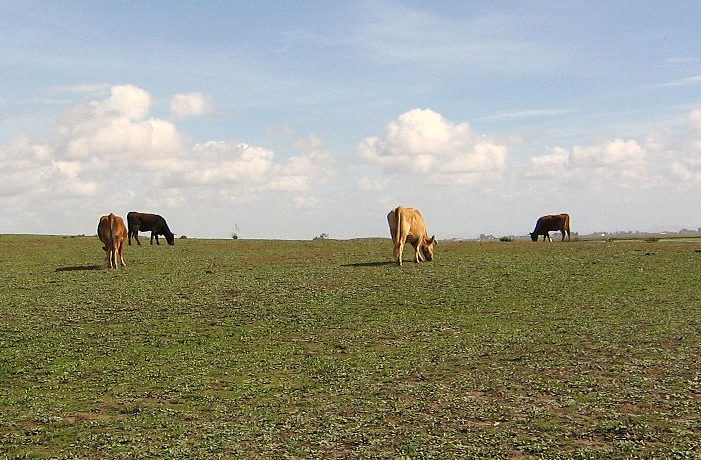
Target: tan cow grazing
x=112 y=232
x=407 y=225
x=555 y=223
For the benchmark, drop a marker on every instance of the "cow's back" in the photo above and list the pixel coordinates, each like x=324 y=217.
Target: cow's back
x=406 y=223
x=119 y=230
x=565 y=221
x=134 y=220
x=550 y=223
x=111 y=230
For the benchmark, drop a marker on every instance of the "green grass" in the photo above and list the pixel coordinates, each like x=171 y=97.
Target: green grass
x=324 y=349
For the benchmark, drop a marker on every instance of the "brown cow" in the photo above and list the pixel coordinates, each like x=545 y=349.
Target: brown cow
x=407 y=224
x=112 y=232
x=555 y=223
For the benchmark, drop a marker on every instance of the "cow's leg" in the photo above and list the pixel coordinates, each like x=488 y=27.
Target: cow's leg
x=563 y=235
x=549 y=239
x=398 y=251
x=418 y=257
x=121 y=254
x=136 y=237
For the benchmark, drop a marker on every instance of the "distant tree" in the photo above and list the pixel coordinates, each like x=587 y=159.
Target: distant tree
x=506 y=239
x=323 y=236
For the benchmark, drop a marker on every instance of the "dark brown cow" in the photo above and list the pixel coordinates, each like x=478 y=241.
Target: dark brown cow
x=112 y=233
x=144 y=222
x=407 y=224
x=554 y=223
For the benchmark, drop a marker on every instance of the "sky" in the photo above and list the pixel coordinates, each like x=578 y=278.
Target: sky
x=286 y=120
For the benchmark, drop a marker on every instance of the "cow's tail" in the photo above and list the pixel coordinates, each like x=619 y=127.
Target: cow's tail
x=398 y=219
x=111 y=221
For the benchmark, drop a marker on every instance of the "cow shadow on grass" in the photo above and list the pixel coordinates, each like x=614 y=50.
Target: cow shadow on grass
x=79 y=267
x=371 y=264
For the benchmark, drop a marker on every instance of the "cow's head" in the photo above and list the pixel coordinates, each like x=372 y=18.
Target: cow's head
x=170 y=238
x=534 y=236
x=428 y=248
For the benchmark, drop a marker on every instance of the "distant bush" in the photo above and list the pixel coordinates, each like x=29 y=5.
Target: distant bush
x=183 y=237
x=235 y=236
x=506 y=239
x=652 y=239
x=323 y=236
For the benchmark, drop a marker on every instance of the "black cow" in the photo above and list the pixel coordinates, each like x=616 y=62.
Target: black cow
x=556 y=223
x=144 y=222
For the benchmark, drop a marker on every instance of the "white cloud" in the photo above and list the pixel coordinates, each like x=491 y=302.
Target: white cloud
x=126 y=101
x=221 y=162
x=30 y=168
x=122 y=141
x=553 y=165
x=688 y=81
x=112 y=152
x=305 y=202
x=190 y=105
x=368 y=184
x=618 y=162
x=216 y=163
x=114 y=134
x=686 y=161
x=619 y=152
x=687 y=171
x=422 y=142
x=695 y=119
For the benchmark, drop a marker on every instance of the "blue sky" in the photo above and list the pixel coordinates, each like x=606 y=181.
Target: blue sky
x=291 y=119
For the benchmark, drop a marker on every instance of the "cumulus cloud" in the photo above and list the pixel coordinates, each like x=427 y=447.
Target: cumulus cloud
x=619 y=161
x=422 y=142
x=369 y=184
x=687 y=171
x=552 y=165
x=217 y=162
x=618 y=152
x=190 y=105
x=695 y=119
x=112 y=150
x=115 y=132
x=686 y=162
x=31 y=168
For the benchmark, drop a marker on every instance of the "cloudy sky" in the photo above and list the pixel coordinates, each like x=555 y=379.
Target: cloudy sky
x=281 y=119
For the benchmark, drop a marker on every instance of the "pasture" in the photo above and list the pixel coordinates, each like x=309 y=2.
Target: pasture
x=324 y=349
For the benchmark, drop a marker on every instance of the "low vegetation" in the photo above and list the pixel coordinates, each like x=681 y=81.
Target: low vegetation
x=326 y=349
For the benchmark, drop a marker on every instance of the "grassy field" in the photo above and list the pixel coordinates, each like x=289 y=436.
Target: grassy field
x=324 y=349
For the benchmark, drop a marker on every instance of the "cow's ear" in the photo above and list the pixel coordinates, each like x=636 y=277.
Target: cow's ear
x=433 y=240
